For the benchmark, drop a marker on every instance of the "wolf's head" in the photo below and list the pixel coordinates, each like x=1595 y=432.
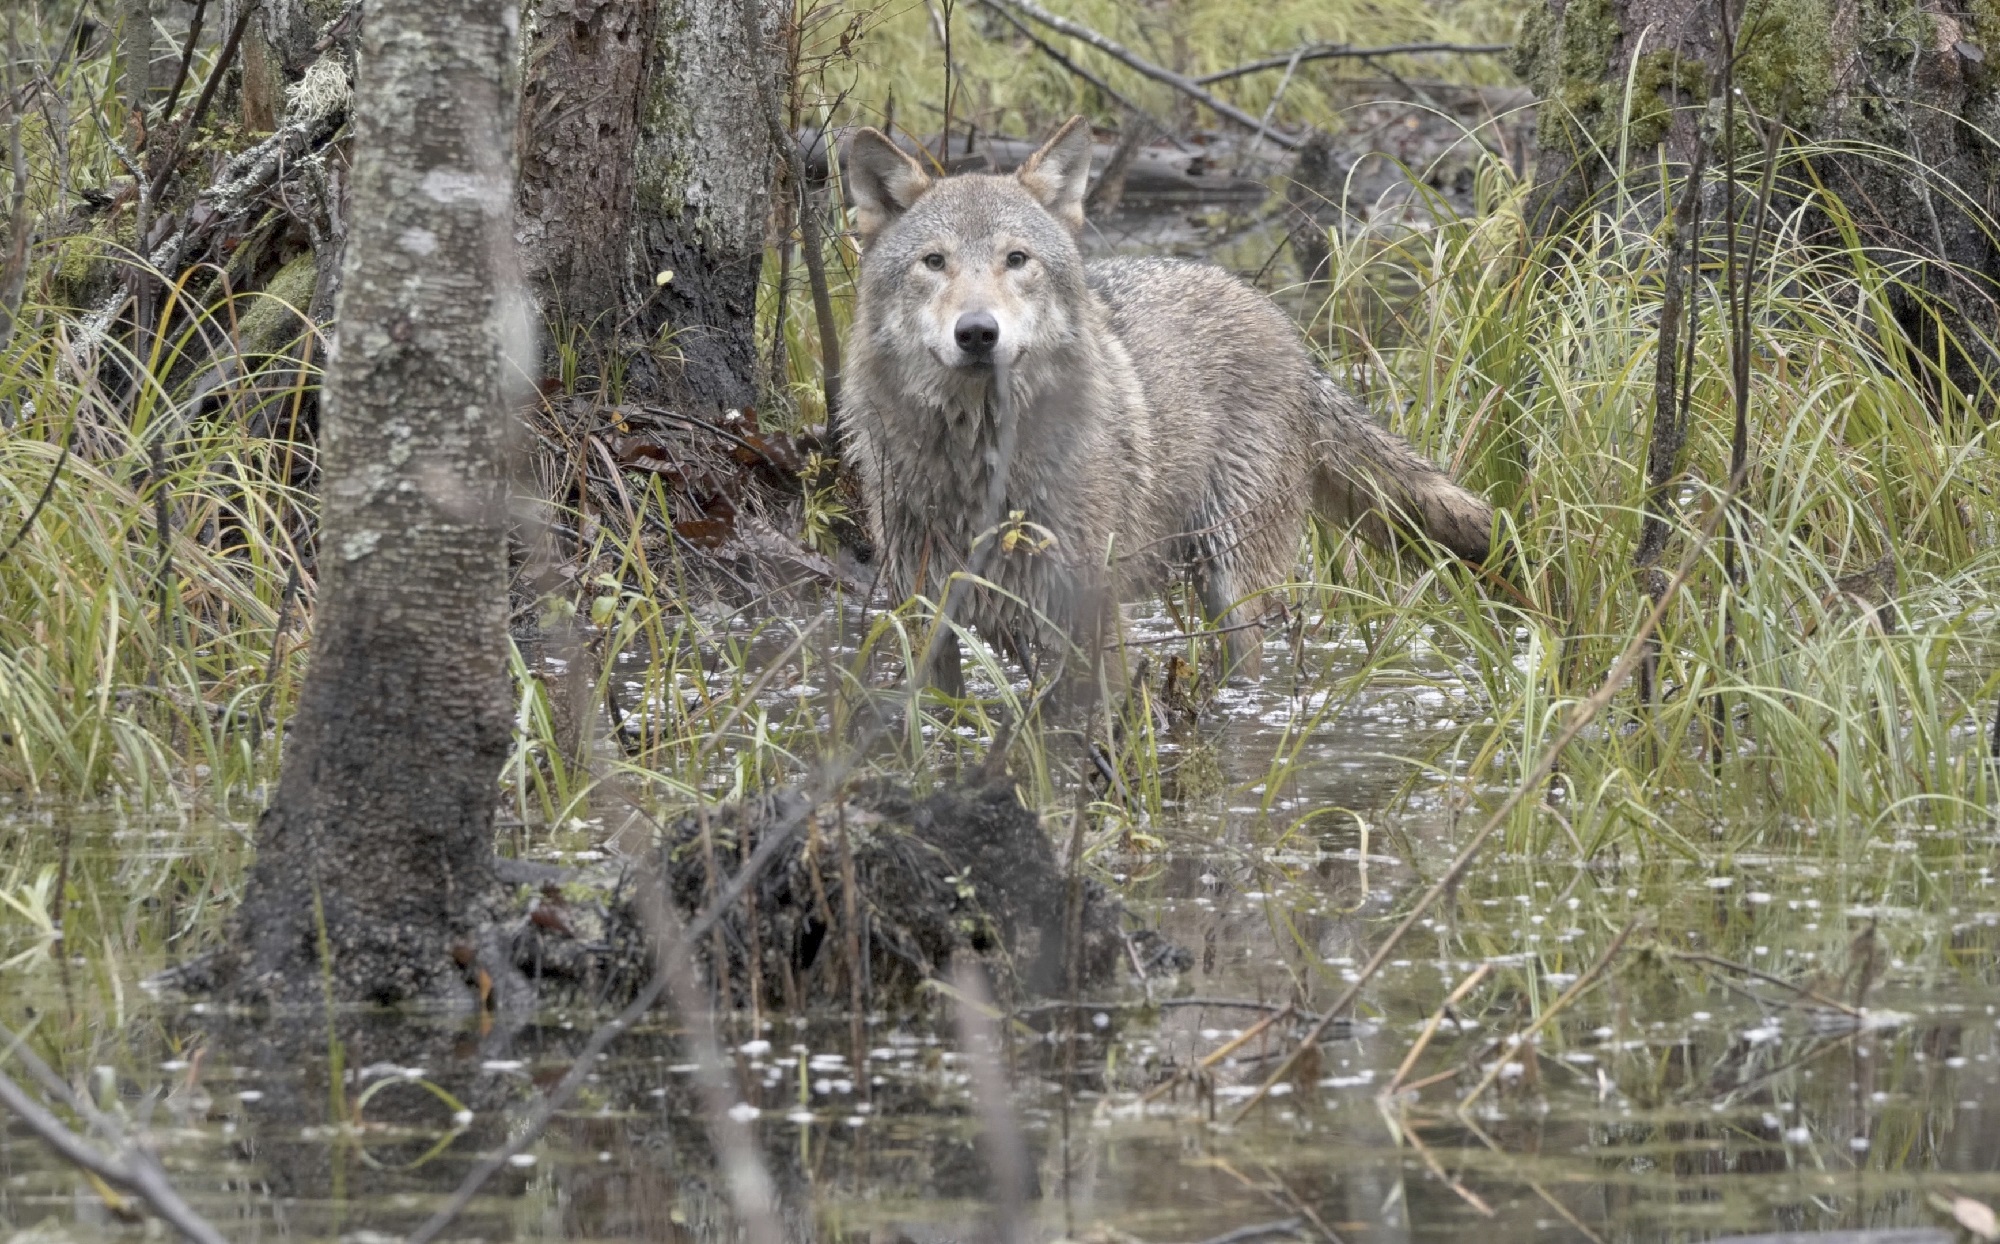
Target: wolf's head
x=979 y=268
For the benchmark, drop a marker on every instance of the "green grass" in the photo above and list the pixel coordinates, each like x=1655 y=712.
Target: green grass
x=1525 y=364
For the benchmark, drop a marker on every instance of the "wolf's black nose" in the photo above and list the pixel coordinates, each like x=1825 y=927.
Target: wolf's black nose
x=976 y=332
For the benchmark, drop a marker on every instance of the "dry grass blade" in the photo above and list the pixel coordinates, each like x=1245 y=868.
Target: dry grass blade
x=1423 y=1040
x=1465 y=1194
x=1216 y=1055
x=1743 y=969
x=1561 y=1004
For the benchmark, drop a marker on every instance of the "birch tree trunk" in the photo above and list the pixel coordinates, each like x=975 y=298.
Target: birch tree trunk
x=646 y=149
x=374 y=862
x=1913 y=80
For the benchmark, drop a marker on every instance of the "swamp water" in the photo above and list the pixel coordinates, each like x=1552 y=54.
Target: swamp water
x=1679 y=1096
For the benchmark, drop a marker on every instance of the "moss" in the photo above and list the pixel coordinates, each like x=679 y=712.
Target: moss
x=1785 y=64
x=80 y=271
x=274 y=319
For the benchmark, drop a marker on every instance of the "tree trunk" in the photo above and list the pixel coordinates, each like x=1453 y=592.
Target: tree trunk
x=1906 y=76
x=374 y=865
x=283 y=39
x=579 y=126
x=646 y=149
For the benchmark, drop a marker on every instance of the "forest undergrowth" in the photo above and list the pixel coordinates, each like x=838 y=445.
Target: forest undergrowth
x=1824 y=675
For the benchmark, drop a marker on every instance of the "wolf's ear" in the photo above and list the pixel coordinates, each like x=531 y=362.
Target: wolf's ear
x=883 y=180
x=1059 y=173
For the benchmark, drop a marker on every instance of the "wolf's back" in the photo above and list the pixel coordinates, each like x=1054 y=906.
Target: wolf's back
x=1243 y=415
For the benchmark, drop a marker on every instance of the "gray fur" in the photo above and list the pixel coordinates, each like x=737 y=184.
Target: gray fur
x=1169 y=420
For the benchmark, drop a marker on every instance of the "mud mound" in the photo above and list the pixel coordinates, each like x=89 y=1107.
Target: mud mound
x=965 y=870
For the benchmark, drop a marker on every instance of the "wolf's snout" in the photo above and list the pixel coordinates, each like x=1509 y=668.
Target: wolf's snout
x=977 y=332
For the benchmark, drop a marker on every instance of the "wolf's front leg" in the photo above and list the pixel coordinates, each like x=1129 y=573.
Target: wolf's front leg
x=945 y=672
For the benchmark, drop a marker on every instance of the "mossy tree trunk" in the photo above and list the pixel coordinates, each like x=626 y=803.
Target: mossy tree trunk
x=1916 y=81
x=374 y=867
x=646 y=149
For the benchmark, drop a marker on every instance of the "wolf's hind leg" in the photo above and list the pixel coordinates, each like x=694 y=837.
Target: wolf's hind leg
x=1240 y=622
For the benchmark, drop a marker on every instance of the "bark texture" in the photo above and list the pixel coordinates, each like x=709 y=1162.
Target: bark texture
x=586 y=68
x=1916 y=77
x=382 y=825
x=646 y=148
x=702 y=171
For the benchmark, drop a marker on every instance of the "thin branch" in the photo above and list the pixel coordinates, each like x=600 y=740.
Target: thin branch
x=1258 y=1231
x=586 y=1061
x=187 y=57
x=1582 y=716
x=1132 y=60
x=1057 y=55
x=135 y=1170
x=1527 y=1035
x=1800 y=991
x=48 y=490
x=202 y=101
x=1346 y=51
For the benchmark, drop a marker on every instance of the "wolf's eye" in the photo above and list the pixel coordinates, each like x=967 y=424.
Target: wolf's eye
x=1017 y=259
x=934 y=261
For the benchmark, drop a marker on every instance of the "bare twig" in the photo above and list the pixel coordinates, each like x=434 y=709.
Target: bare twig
x=751 y=1192
x=1744 y=969
x=1669 y=433
x=187 y=57
x=41 y=502
x=202 y=101
x=134 y=1169
x=1132 y=60
x=810 y=244
x=1258 y=1231
x=1216 y=1055
x=999 y=1134
x=1057 y=55
x=775 y=841
x=1580 y=717
x=1471 y=1198
x=1423 y=1040
x=1344 y=51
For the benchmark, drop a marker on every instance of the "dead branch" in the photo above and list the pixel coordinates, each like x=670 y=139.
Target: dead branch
x=1258 y=1231
x=242 y=182
x=586 y=1060
x=1346 y=51
x=1056 y=54
x=1132 y=60
x=1584 y=713
x=1526 y=1036
x=134 y=1169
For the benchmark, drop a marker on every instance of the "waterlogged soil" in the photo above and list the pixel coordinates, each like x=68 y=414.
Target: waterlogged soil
x=1801 y=1031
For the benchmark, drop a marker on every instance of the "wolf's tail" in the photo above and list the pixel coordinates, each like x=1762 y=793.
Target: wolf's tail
x=1370 y=478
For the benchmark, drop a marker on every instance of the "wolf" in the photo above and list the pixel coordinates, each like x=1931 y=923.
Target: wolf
x=1076 y=435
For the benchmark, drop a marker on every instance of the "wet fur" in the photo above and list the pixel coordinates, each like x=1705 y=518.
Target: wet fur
x=1170 y=421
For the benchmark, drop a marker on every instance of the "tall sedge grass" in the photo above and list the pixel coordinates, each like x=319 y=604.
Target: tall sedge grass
x=1524 y=364
x=1529 y=365
x=128 y=660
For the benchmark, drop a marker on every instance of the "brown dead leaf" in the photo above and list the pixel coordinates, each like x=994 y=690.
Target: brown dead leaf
x=707 y=533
